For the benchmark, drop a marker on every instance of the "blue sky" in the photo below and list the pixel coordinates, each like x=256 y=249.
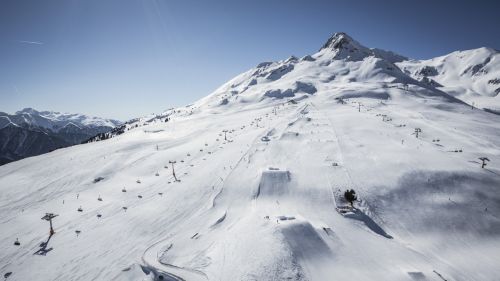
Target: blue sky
x=123 y=59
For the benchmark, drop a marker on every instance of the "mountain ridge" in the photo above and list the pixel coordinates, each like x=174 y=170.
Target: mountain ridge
x=340 y=48
x=29 y=132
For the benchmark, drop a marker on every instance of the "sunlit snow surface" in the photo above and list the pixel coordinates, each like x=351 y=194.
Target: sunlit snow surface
x=262 y=204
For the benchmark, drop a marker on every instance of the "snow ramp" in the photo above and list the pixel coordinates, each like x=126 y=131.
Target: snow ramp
x=273 y=183
x=304 y=241
x=308 y=249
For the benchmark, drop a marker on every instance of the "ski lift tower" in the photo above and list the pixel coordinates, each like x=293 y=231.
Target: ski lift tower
x=484 y=159
x=225 y=132
x=48 y=217
x=173 y=171
x=417 y=131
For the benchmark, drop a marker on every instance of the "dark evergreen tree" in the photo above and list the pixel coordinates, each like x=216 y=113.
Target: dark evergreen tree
x=350 y=196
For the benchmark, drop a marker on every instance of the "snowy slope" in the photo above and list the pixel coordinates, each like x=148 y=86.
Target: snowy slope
x=473 y=75
x=261 y=165
x=342 y=65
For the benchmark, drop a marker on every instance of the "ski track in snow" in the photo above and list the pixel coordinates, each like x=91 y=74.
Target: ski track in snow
x=320 y=129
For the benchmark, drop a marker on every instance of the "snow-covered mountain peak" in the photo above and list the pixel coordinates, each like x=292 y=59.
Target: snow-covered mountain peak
x=27 y=110
x=345 y=47
x=338 y=39
x=342 y=62
x=471 y=75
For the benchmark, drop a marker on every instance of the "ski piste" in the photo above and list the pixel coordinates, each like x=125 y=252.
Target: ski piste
x=262 y=165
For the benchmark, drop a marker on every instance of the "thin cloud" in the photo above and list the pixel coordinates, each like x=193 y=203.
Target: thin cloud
x=31 y=42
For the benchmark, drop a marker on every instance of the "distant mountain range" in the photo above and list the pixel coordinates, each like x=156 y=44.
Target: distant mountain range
x=30 y=132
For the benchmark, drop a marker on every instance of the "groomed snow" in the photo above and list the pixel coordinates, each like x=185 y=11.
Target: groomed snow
x=265 y=202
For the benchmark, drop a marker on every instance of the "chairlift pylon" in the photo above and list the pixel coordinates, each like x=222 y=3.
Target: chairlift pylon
x=48 y=217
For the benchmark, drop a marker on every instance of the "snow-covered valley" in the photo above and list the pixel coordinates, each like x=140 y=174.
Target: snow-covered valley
x=257 y=193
